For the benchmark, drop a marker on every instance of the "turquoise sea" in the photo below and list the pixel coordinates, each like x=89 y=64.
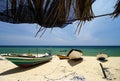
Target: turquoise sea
x=87 y=50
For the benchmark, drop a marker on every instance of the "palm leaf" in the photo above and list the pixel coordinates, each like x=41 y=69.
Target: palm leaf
x=13 y=6
x=116 y=12
x=51 y=13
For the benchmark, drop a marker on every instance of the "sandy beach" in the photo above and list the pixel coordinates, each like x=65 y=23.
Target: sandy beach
x=87 y=69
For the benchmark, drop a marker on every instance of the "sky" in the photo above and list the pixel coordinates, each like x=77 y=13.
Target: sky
x=100 y=31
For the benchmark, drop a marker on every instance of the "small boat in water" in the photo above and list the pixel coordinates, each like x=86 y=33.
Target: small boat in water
x=27 y=62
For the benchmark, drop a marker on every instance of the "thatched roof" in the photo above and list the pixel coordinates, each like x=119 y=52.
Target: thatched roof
x=49 y=13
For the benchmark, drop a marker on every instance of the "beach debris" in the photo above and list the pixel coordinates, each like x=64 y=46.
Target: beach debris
x=77 y=77
x=75 y=54
x=103 y=71
x=107 y=74
x=65 y=75
x=110 y=76
x=70 y=77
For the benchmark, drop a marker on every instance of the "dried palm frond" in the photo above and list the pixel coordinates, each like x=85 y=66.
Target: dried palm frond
x=83 y=11
x=47 y=13
x=50 y=13
x=116 y=12
x=13 y=6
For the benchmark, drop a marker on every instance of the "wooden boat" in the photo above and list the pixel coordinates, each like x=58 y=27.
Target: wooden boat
x=27 y=62
x=75 y=54
x=102 y=57
x=63 y=57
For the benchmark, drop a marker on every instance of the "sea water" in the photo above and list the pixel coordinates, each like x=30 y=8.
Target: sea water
x=54 y=50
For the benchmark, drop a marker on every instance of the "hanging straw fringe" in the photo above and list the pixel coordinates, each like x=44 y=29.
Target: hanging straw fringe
x=50 y=13
x=47 y=13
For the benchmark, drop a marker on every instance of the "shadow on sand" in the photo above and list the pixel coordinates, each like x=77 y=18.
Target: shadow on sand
x=75 y=62
x=19 y=69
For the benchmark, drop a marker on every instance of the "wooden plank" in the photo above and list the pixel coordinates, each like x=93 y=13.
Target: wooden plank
x=103 y=71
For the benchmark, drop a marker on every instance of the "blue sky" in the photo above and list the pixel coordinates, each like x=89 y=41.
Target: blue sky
x=100 y=31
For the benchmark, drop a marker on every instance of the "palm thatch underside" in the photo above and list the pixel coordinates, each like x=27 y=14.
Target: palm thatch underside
x=50 y=13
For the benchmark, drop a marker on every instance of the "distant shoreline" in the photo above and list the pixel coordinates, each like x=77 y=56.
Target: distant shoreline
x=59 y=45
x=87 y=50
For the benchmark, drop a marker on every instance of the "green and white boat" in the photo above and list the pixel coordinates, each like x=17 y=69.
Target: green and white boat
x=27 y=62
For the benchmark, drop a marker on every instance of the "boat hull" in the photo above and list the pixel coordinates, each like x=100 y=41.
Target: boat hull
x=75 y=54
x=27 y=62
x=63 y=57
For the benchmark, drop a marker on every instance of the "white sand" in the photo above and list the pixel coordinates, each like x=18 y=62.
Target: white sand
x=62 y=70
